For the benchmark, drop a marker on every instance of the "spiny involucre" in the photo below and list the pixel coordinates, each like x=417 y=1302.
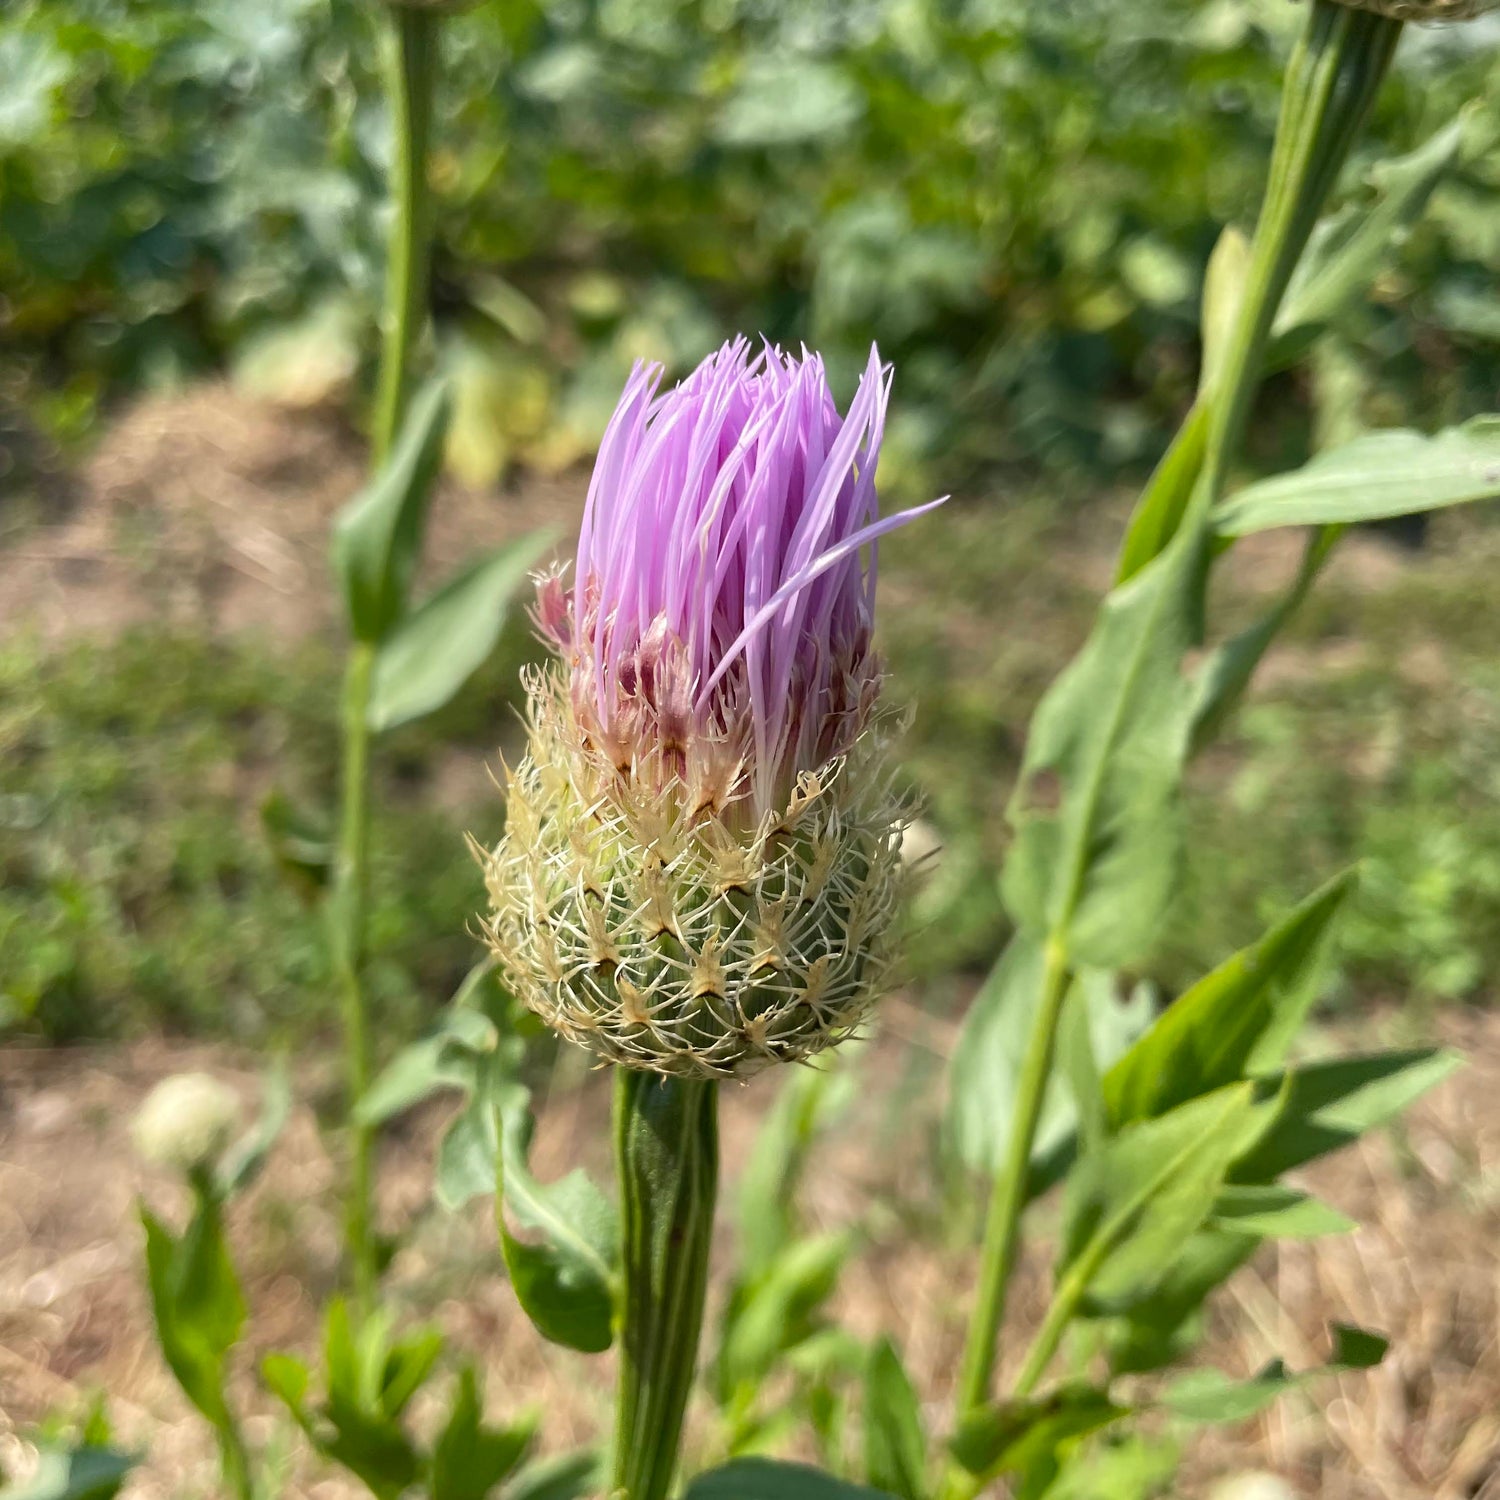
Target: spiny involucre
x=700 y=869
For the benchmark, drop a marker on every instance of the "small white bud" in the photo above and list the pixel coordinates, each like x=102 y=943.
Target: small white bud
x=186 y=1121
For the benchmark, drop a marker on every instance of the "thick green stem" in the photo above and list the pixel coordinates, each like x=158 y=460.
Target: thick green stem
x=1332 y=78
x=1002 y=1228
x=667 y=1157
x=413 y=70
x=234 y=1463
x=346 y=913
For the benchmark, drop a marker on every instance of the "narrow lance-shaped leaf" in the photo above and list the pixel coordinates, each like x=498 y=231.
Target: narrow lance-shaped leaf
x=1212 y=1396
x=378 y=535
x=440 y=644
x=1349 y=246
x=764 y=1479
x=895 y=1442
x=1130 y=1207
x=1252 y=1002
x=1096 y=811
x=1378 y=475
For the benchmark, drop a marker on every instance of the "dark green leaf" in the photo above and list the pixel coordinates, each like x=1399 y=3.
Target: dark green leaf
x=438 y=646
x=1381 y=474
x=378 y=535
x=565 y=1278
x=469 y=1459
x=82 y=1473
x=764 y=1479
x=1096 y=812
x=1012 y=1436
x=1253 y=1002
x=895 y=1443
x=1327 y=1105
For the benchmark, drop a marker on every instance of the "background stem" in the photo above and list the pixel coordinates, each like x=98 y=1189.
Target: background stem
x=1002 y=1227
x=413 y=69
x=667 y=1157
x=347 y=917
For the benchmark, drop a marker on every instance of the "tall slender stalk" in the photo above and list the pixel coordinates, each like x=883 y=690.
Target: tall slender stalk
x=413 y=56
x=1002 y=1227
x=413 y=69
x=347 y=916
x=667 y=1159
x=1332 y=79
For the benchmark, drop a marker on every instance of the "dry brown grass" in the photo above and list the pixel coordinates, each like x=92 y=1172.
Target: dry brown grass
x=1424 y=1267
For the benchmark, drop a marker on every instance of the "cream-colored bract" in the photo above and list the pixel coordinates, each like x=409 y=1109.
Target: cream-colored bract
x=664 y=937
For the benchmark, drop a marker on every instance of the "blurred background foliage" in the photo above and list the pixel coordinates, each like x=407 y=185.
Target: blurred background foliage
x=1015 y=200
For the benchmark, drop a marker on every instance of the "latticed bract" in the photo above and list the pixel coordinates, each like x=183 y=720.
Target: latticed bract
x=701 y=865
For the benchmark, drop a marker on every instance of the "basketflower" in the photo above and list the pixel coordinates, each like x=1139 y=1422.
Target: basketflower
x=700 y=868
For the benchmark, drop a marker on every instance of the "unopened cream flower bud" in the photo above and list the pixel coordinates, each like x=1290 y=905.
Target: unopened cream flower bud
x=186 y=1121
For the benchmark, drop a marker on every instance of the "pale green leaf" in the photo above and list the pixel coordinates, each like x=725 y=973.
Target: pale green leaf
x=1381 y=474
x=440 y=644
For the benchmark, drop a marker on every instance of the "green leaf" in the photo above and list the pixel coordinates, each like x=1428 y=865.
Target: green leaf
x=439 y=645
x=1348 y=247
x=197 y=1304
x=1012 y=1436
x=1327 y=1105
x=986 y=1063
x=1393 y=473
x=568 y=1476
x=243 y=1163
x=86 y=1472
x=1210 y=1395
x=444 y=1059
x=765 y=1206
x=1132 y=1467
x=895 y=1442
x=469 y=1459
x=1225 y=674
x=370 y=1380
x=565 y=1279
x=1253 y=1002
x=1158 y=1329
x=765 y=1479
x=1129 y=1208
x=378 y=535
x=1276 y=1212
x=774 y=1313
x=301 y=844
x=1096 y=812
x=1158 y=513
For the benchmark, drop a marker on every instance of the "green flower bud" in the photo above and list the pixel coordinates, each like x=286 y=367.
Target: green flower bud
x=663 y=937
x=186 y=1121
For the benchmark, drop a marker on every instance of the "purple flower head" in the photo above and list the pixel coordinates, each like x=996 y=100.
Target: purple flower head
x=718 y=631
